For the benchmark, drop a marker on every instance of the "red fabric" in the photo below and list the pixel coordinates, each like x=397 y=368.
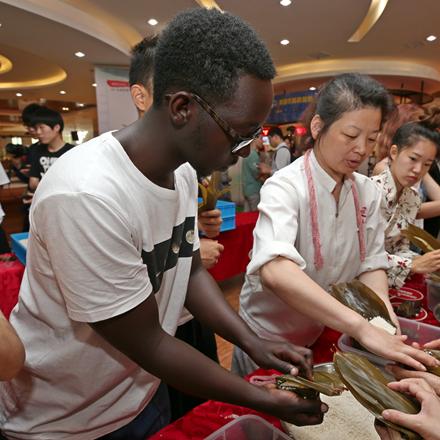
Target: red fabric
x=11 y=273
x=207 y=418
x=237 y=243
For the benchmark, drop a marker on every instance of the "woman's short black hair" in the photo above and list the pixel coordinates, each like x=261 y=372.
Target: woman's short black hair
x=205 y=51
x=408 y=134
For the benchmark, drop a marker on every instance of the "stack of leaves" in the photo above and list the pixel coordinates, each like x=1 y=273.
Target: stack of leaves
x=211 y=193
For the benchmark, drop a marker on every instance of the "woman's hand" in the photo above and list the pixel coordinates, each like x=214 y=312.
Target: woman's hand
x=426 y=422
x=426 y=263
x=402 y=373
x=391 y=347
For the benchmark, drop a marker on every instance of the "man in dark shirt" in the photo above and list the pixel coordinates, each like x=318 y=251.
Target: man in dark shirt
x=48 y=125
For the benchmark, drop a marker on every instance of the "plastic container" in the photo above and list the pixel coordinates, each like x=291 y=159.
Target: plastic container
x=433 y=294
x=19 y=246
x=415 y=330
x=228 y=214
x=249 y=427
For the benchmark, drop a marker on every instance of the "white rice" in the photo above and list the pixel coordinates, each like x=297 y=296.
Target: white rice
x=379 y=322
x=346 y=419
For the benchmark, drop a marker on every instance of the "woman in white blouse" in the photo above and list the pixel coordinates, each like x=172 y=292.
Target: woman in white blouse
x=413 y=151
x=320 y=224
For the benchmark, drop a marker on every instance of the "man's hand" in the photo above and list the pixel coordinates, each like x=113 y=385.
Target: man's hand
x=210 y=251
x=293 y=409
x=282 y=356
x=209 y=222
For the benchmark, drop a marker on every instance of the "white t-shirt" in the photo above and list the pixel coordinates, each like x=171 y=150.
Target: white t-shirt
x=103 y=238
x=284 y=229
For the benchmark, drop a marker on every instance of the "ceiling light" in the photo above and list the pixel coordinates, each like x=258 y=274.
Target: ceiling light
x=431 y=38
x=312 y=88
x=152 y=22
x=80 y=104
x=62 y=92
x=285 y=2
x=93 y=84
x=19 y=94
x=284 y=42
x=66 y=109
x=80 y=54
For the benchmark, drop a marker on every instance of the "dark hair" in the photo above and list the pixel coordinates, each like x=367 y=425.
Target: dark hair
x=27 y=113
x=346 y=93
x=431 y=119
x=205 y=51
x=142 y=62
x=275 y=131
x=45 y=115
x=408 y=134
x=16 y=150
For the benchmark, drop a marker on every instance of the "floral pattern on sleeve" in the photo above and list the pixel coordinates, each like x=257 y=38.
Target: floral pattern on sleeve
x=398 y=214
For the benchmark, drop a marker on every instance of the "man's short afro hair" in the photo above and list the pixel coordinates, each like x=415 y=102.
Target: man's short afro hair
x=142 y=61
x=205 y=51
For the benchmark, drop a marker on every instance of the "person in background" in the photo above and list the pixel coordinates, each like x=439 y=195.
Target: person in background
x=320 y=224
x=413 y=151
x=281 y=156
x=251 y=176
x=48 y=125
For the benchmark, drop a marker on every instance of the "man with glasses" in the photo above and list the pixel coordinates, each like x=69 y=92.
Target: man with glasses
x=113 y=255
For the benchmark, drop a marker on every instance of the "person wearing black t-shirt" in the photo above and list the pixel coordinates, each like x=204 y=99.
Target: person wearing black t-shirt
x=48 y=126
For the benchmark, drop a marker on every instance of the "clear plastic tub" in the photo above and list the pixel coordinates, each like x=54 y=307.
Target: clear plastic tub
x=433 y=294
x=249 y=427
x=415 y=330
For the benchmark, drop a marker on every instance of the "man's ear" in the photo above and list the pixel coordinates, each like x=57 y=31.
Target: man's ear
x=179 y=107
x=316 y=126
x=141 y=97
x=394 y=152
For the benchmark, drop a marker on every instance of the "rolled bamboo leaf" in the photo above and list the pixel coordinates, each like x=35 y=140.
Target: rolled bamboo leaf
x=325 y=382
x=211 y=193
x=369 y=386
x=420 y=238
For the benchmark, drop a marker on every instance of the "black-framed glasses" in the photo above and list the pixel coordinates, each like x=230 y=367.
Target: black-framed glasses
x=238 y=142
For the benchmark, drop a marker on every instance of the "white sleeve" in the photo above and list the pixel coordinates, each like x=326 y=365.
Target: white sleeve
x=89 y=243
x=376 y=257
x=277 y=226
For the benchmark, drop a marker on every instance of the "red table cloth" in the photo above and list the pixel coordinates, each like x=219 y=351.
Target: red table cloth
x=11 y=273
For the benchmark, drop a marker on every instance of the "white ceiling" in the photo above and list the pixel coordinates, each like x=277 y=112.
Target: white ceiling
x=40 y=38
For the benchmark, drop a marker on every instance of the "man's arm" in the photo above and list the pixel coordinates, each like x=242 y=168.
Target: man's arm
x=138 y=334
x=11 y=351
x=206 y=302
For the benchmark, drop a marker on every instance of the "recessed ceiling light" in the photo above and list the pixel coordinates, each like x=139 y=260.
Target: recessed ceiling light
x=312 y=88
x=93 y=84
x=80 y=54
x=152 y=22
x=285 y=2
x=62 y=92
x=284 y=42
x=431 y=38
x=80 y=104
x=66 y=109
x=19 y=94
